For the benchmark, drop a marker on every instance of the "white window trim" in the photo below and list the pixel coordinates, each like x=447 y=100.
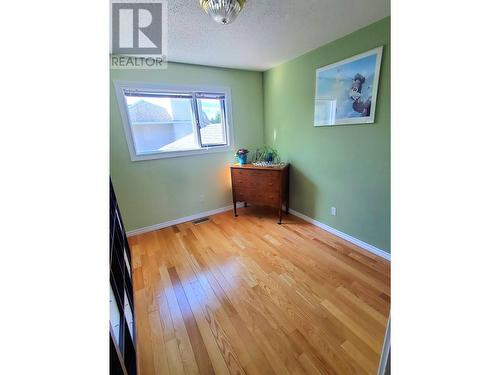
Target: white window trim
x=122 y=105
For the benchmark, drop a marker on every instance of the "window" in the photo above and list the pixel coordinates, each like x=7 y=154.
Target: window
x=165 y=121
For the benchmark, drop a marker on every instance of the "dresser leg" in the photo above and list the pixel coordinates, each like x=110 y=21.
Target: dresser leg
x=246 y=204
x=280 y=213
x=235 y=213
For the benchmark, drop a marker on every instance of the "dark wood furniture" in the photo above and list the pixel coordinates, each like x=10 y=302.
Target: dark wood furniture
x=122 y=360
x=267 y=186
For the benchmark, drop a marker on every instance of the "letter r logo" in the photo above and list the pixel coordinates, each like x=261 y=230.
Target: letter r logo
x=137 y=28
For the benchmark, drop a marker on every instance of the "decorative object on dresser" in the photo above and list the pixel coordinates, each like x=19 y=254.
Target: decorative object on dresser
x=266 y=154
x=241 y=154
x=267 y=186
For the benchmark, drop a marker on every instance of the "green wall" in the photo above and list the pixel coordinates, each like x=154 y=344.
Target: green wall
x=346 y=166
x=154 y=191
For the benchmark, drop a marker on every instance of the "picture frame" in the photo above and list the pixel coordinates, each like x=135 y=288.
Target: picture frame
x=346 y=91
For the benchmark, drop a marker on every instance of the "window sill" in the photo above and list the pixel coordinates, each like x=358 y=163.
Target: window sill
x=176 y=154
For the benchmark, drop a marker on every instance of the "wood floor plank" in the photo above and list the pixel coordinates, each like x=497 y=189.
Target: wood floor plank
x=199 y=348
x=247 y=296
x=302 y=347
x=308 y=364
x=184 y=350
x=160 y=349
x=228 y=342
x=352 y=325
x=358 y=357
x=145 y=349
x=356 y=301
x=215 y=338
x=218 y=316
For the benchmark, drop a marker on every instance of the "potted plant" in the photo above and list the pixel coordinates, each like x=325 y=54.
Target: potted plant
x=267 y=154
x=241 y=154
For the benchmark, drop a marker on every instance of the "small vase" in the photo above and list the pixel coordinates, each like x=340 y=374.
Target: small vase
x=242 y=159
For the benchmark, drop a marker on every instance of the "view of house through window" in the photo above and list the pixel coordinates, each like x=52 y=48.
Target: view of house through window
x=211 y=114
x=162 y=122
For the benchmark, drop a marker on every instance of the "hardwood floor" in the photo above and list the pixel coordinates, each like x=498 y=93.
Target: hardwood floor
x=248 y=296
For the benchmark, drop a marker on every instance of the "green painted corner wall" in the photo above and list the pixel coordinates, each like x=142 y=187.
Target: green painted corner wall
x=346 y=166
x=154 y=191
x=343 y=166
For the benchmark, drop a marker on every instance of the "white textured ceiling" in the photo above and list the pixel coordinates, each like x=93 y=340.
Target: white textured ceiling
x=266 y=33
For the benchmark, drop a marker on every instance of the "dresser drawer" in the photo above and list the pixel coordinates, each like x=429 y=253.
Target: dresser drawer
x=251 y=194
x=265 y=181
x=242 y=193
x=270 y=199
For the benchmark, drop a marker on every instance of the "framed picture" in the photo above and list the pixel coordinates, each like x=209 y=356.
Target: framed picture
x=346 y=91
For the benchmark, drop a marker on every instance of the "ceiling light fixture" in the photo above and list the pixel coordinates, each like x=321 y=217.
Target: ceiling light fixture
x=222 y=11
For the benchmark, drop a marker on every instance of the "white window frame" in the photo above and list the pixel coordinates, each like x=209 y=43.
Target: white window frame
x=121 y=86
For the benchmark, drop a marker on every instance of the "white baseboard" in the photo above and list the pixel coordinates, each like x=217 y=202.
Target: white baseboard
x=319 y=224
x=345 y=236
x=180 y=220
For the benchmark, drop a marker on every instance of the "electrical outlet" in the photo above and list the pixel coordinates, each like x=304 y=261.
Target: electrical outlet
x=202 y=198
x=334 y=211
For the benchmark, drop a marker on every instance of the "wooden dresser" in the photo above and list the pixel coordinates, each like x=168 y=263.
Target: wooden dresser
x=267 y=186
